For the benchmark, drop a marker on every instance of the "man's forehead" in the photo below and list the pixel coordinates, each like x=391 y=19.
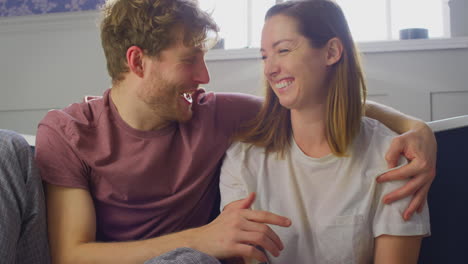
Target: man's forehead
x=190 y=51
x=179 y=41
x=180 y=50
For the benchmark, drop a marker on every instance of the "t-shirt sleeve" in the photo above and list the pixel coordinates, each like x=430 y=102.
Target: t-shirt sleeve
x=388 y=218
x=231 y=184
x=57 y=160
x=233 y=110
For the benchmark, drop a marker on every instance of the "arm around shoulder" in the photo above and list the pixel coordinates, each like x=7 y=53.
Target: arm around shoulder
x=392 y=118
x=418 y=144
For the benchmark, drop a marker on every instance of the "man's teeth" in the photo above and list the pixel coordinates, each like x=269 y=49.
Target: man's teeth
x=187 y=97
x=283 y=84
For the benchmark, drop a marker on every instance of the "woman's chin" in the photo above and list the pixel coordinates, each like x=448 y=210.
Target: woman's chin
x=287 y=104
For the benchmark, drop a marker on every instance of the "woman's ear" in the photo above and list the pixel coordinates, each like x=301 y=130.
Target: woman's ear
x=334 y=51
x=135 y=60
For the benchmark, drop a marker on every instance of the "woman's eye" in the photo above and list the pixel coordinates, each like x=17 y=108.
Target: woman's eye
x=283 y=50
x=263 y=57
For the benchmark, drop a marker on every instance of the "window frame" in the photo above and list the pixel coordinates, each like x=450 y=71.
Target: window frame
x=363 y=47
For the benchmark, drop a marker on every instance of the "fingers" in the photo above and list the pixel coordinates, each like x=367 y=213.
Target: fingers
x=261 y=234
x=421 y=207
x=393 y=154
x=199 y=93
x=250 y=227
x=408 y=189
x=414 y=168
x=273 y=243
x=266 y=218
x=260 y=241
x=245 y=203
x=252 y=234
x=417 y=203
x=414 y=204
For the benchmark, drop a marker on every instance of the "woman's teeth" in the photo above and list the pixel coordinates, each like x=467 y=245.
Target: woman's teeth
x=283 y=84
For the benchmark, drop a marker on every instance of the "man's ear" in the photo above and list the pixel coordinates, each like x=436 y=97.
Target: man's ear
x=334 y=51
x=135 y=60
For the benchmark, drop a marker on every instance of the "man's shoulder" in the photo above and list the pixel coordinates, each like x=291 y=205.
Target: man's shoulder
x=226 y=112
x=83 y=114
x=239 y=99
x=221 y=99
x=237 y=106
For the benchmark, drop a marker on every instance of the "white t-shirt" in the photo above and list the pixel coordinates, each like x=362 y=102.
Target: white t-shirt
x=334 y=203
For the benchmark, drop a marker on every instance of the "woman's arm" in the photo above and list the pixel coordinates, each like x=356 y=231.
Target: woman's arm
x=397 y=249
x=418 y=144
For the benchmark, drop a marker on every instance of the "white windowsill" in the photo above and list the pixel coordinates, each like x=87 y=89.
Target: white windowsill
x=364 y=47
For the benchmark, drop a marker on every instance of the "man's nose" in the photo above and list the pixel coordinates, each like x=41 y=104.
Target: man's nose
x=201 y=74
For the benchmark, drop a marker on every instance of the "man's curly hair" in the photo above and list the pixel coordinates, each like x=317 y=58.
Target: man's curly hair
x=148 y=24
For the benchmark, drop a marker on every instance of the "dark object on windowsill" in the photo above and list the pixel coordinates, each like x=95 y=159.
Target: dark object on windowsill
x=414 y=33
x=219 y=45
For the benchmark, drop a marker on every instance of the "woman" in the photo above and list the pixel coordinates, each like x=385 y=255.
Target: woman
x=310 y=155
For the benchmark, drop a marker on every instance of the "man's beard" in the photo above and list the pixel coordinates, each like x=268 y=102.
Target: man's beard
x=165 y=100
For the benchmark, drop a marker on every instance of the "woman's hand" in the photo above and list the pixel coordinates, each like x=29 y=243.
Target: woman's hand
x=419 y=146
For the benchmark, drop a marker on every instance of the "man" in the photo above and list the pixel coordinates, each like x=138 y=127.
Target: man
x=134 y=174
x=23 y=233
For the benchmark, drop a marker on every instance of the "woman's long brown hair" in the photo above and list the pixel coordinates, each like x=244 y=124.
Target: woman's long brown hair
x=319 y=21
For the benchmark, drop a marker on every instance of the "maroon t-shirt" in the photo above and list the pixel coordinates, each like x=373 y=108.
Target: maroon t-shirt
x=143 y=183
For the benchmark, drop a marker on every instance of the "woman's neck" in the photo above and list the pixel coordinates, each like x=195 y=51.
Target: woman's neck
x=309 y=131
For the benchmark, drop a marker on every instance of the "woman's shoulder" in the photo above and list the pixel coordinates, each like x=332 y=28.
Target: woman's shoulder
x=245 y=151
x=375 y=133
x=373 y=143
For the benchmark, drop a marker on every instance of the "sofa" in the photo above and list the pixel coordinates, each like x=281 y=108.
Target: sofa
x=448 y=196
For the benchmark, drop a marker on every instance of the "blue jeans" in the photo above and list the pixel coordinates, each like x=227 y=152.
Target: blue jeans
x=183 y=256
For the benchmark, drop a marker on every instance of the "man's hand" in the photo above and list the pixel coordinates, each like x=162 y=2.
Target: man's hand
x=237 y=230
x=419 y=146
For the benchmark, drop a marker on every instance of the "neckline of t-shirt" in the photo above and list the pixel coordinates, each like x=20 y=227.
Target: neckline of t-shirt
x=299 y=154
x=135 y=132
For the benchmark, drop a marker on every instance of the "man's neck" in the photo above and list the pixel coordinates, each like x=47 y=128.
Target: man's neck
x=135 y=112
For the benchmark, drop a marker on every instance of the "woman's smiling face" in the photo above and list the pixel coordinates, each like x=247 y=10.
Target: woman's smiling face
x=295 y=70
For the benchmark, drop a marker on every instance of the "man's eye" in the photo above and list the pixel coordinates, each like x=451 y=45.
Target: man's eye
x=264 y=57
x=189 y=61
x=283 y=50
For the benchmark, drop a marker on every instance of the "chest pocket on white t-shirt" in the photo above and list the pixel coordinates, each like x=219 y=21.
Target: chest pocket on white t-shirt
x=344 y=240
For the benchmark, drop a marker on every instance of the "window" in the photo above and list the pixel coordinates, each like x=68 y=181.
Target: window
x=371 y=20
x=241 y=21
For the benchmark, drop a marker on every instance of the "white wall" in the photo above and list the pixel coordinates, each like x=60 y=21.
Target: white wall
x=47 y=62
x=430 y=85
x=53 y=60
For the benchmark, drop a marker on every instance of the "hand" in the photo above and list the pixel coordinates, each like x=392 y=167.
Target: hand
x=419 y=146
x=197 y=96
x=237 y=229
